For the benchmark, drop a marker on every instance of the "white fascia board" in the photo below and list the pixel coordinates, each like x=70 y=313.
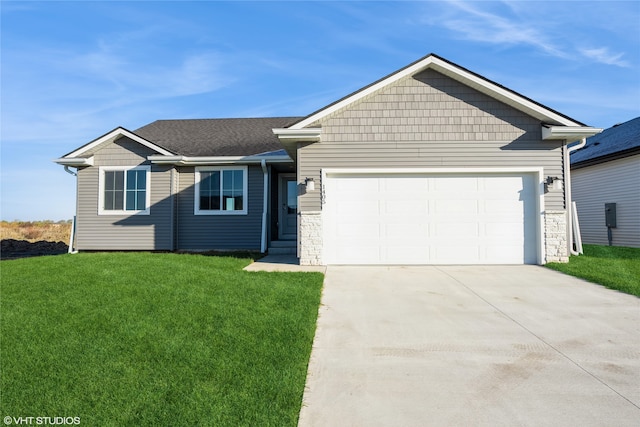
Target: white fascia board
x=216 y=160
x=470 y=79
x=75 y=162
x=568 y=133
x=120 y=131
x=297 y=134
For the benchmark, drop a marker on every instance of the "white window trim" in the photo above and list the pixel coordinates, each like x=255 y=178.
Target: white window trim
x=196 y=198
x=103 y=211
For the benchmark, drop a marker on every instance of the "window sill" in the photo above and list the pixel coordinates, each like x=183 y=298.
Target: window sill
x=223 y=213
x=123 y=213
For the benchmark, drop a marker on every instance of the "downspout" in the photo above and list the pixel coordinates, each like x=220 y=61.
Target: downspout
x=69 y=171
x=172 y=201
x=265 y=200
x=567 y=192
x=72 y=236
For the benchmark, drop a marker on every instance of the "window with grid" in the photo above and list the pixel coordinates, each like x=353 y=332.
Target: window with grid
x=124 y=190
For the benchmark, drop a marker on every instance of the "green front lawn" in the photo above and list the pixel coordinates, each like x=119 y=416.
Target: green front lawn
x=154 y=340
x=611 y=266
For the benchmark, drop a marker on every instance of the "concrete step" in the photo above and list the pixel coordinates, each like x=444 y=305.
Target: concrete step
x=282 y=251
x=282 y=244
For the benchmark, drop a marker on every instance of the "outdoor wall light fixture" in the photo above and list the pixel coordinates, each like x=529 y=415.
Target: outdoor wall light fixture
x=309 y=184
x=554 y=183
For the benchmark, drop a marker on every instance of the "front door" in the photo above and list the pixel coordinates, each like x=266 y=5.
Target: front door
x=288 y=207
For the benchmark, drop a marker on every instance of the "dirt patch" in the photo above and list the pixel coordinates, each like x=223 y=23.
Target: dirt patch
x=13 y=249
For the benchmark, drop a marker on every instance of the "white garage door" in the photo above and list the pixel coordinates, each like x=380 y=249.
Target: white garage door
x=430 y=219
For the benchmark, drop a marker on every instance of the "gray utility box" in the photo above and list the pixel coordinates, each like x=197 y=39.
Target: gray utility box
x=610 y=214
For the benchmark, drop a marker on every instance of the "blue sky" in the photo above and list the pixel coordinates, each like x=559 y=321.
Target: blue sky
x=72 y=71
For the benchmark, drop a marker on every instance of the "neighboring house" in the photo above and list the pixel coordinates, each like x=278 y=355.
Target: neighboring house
x=432 y=164
x=607 y=170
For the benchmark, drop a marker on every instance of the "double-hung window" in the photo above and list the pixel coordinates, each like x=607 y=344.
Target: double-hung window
x=124 y=190
x=221 y=190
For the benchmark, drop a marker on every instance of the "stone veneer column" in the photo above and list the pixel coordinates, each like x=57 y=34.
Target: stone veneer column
x=555 y=236
x=310 y=238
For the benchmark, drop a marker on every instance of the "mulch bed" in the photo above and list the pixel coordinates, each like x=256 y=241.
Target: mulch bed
x=14 y=249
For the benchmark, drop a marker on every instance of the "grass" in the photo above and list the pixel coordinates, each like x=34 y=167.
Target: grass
x=611 y=266
x=154 y=339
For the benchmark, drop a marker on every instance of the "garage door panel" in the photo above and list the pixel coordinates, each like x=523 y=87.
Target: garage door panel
x=356 y=185
x=403 y=208
x=405 y=185
x=456 y=230
x=455 y=184
x=430 y=219
x=364 y=232
x=404 y=232
x=503 y=230
x=357 y=255
x=502 y=207
x=357 y=208
x=455 y=206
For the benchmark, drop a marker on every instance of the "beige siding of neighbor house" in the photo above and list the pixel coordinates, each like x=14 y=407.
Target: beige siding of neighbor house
x=123 y=232
x=428 y=121
x=616 y=181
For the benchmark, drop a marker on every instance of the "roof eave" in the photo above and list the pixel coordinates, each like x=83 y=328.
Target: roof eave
x=298 y=135
x=217 y=160
x=568 y=133
x=75 y=161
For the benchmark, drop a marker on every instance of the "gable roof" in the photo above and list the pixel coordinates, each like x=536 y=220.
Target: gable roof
x=615 y=142
x=456 y=72
x=83 y=156
x=216 y=137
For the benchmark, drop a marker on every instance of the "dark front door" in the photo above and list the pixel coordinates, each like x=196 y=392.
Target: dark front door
x=288 y=207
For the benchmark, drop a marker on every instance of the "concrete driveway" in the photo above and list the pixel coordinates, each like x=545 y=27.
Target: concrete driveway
x=472 y=346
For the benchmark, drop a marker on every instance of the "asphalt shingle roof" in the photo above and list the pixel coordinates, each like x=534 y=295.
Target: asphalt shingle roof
x=622 y=137
x=216 y=137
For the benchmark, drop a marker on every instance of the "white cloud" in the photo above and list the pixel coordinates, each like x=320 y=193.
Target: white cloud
x=62 y=92
x=603 y=56
x=482 y=26
x=516 y=23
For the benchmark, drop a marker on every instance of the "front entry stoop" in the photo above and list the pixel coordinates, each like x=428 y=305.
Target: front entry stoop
x=282 y=247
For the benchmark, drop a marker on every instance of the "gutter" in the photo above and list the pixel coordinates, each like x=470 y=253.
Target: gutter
x=567 y=190
x=265 y=201
x=217 y=160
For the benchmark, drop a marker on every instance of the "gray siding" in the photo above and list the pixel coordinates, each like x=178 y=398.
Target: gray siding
x=123 y=232
x=205 y=232
x=428 y=120
x=617 y=181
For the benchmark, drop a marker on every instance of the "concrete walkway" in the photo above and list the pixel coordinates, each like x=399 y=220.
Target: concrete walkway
x=282 y=263
x=472 y=346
